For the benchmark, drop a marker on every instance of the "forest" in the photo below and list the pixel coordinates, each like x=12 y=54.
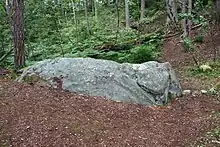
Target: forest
x=116 y=30
x=184 y=34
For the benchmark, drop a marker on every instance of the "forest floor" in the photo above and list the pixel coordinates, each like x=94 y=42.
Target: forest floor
x=36 y=115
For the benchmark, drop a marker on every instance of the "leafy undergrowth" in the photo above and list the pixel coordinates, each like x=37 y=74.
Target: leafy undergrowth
x=206 y=76
x=209 y=69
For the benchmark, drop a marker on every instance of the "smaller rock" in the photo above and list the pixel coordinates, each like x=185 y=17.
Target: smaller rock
x=196 y=93
x=213 y=91
x=186 y=92
x=204 y=91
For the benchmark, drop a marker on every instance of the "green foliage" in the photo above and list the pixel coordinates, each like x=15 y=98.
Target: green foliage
x=138 y=54
x=199 y=39
x=51 y=31
x=187 y=44
x=143 y=53
x=197 y=18
x=214 y=72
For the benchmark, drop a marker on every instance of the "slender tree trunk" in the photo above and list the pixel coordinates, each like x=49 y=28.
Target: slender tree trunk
x=87 y=19
x=184 y=24
x=55 y=2
x=118 y=19
x=96 y=10
x=8 y=12
x=142 y=9
x=107 y=2
x=75 y=19
x=127 y=14
x=7 y=8
x=74 y=11
x=169 y=18
x=171 y=12
x=18 y=33
x=174 y=11
x=189 y=20
x=217 y=9
x=217 y=4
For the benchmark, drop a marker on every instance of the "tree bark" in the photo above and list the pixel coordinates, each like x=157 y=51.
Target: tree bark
x=127 y=19
x=74 y=11
x=118 y=19
x=87 y=19
x=189 y=20
x=96 y=10
x=142 y=9
x=75 y=19
x=107 y=2
x=18 y=33
x=7 y=8
x=217 y=5
x=184 y=25
x=171 y=12
x=174 y=11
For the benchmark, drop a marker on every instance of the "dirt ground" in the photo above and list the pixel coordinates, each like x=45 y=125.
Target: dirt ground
x=35 y=115
x=181 y=61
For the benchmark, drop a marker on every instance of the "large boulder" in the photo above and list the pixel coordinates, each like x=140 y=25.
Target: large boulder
x=149 y=83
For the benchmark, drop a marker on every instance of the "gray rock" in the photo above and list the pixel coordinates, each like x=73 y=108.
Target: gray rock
x=196 y=93
x=186 y=92
x=213 y=91
x=150 y=83
x=204 y=91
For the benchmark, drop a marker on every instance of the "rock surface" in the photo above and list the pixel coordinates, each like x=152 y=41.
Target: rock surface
x=149 y=83
x=186 y=92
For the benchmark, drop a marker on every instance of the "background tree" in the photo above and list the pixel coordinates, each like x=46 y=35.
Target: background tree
x=127 y=15
x=190 y=14
x=171 y=12
x=18 y=33
x=184 y=20
x=86 y=14
x=69 y=28
x=142 y=9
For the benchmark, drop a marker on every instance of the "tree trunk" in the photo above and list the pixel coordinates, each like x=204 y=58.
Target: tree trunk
x=18 y=33
x=96 y=10
x=55 y=2
x=217 y=5
x=7 y=8
x=127 y=19
x=87 y=19
x=189 y=20
x=107 y=2
x=74 y=11
x=171 y=12
x=142 y=9
x=184 y=24
x=118 y=19
x=174 y=11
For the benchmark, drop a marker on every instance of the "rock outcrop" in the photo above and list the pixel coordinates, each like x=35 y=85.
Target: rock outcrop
x=149 y=83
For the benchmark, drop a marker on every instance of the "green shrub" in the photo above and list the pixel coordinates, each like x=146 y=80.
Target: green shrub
x=205 y=71
x=199 y=39
x=143 y=53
